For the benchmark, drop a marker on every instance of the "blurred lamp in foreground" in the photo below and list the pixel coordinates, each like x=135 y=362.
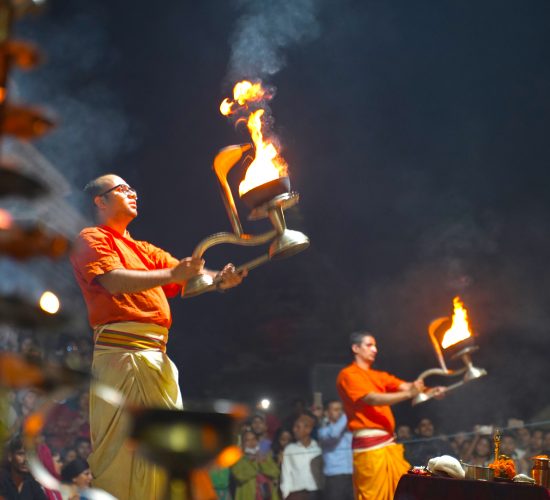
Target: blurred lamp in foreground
x=451 y=338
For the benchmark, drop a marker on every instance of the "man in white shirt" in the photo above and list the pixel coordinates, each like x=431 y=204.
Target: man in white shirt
x=301 y=473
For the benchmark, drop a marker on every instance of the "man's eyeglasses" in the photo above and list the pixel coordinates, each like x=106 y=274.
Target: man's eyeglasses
x=121 y=188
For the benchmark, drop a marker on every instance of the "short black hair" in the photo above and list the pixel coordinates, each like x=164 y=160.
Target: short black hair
x=95 y=186
x=73 y=469
x=331 y=401
x=15 y=444
x=357 y=337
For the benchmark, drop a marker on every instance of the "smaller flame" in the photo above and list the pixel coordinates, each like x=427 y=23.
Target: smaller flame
x=243 y=92
x=460 y=329
x=49 y=302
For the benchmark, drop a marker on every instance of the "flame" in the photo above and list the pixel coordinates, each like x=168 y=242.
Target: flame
x=49 y=302
x=267 y=164
x=5 y=219
x=460 y=329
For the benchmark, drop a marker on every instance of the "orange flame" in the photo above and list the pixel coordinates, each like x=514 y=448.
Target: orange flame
x=460 y=329
x=267 y=164
x=5 y=219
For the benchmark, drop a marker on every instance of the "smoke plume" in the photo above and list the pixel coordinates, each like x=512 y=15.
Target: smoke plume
x=264 y=30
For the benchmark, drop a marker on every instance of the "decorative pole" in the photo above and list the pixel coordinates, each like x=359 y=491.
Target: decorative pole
x=496 y=439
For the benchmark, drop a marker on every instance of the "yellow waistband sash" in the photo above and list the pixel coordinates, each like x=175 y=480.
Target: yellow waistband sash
x=132 y=336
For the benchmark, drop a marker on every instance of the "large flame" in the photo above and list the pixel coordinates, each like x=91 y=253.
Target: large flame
x=267 y=165
x=460 y=329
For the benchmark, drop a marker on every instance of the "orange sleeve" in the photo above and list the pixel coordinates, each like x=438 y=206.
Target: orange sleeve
x=163 y=260
x=354 y=388
x=95 y=255
x=391 y=382
x=160 y=257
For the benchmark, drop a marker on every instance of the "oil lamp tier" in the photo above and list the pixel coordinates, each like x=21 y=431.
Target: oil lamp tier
x=267 y=200
x=451 y=338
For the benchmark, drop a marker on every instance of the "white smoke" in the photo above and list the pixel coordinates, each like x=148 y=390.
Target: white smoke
x=264 y=30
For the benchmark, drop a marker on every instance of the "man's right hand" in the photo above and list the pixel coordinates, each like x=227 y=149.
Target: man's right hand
x=186 y=269
x=416 y=388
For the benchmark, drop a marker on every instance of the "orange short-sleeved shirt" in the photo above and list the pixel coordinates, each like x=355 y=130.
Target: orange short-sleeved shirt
x=101 y=249
x=353 y=384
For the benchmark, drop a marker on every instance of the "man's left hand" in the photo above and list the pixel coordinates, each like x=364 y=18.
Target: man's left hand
x=229 y=277
x=437 y=392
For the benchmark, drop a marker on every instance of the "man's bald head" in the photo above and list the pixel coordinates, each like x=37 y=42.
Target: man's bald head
x=106 y=202
x=101 y=184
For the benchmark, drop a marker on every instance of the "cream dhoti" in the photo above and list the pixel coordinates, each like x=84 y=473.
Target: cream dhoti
x=378 y=464
x=131 y=358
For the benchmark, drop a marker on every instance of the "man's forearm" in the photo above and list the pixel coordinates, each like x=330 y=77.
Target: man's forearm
x=388 y=398
x=131 y=281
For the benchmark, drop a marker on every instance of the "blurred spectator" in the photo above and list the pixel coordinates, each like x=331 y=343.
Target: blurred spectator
x=282 y=438
x=335 y=441
x=25 y=404
x=76 y=478
x=83 y=448
x=255 y=473
x=457 y=443
x=523 y=438
x=52 y=464
x=535 y=448
x=259 y=428
x=403 y=433
x=30 y=348
x=546 y=443
x=426 y=445
x=298 y=408
x=68 y=455
x=220 y=478
x=15 y=479
x=508 y=447
x=479 y=452
x=301 y=473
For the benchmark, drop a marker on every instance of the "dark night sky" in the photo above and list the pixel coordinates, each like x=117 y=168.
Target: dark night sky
x=416 y=134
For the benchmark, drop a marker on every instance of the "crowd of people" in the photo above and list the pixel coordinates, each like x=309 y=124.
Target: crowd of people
x=311 y=451
x=308 y=450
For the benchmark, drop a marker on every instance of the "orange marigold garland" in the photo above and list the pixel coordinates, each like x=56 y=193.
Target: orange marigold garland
x=504 y=467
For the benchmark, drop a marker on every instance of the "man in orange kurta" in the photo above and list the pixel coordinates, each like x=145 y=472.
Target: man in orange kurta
x=125 y=284
x=367 y=395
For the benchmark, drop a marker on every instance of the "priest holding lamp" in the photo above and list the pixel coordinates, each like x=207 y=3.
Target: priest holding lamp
x=125 y=284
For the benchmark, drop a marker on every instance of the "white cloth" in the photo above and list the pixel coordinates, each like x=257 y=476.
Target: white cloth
x=447 y=464
x=297 y=471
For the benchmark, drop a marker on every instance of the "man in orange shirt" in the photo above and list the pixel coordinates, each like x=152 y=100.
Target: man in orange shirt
x=367 y=395
x=125 y=284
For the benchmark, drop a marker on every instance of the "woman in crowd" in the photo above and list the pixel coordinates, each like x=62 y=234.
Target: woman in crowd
x=255 y=473
x=282 y=438
x=52 y=463
x=76 y=478
x=479 y=452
